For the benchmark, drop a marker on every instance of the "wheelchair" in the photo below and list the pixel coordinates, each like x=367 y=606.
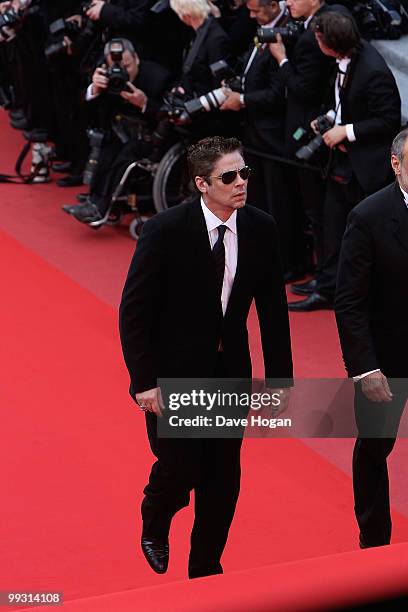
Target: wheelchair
x=147 y=188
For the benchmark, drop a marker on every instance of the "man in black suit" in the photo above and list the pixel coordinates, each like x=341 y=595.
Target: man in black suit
x=185 y=304
x=209 y=43
x=262 y=105
x=305 y=72
x=366 y=111
x=370 y=307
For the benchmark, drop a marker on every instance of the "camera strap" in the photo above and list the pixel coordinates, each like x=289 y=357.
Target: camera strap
x=19 y=178
x=195 y=47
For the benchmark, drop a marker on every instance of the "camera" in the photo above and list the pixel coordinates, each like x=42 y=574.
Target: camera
x=117 y=75
x=215 y=98
x=59 y=29
x=289 y=33
x=323 y=124
x=10 y=18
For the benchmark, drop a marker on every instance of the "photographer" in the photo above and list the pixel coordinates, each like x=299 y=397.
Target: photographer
x=261 y=104
x=125 y=95
x=209 y=44
x=305 y=72
x=366 y=112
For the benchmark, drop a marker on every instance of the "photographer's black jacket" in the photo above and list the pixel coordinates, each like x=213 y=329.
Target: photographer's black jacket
x=127 y=18
x=305 y=77
x=371 y=102
x=265 y=104
x=214 y=47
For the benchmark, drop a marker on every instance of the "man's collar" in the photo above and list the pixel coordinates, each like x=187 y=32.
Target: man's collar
x=212 y=221
x=272 y=23
x=405 y=195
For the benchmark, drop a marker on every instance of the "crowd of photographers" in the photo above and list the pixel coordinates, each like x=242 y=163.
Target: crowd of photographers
x=110 y=82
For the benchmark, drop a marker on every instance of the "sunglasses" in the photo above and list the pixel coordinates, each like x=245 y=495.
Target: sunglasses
x=229 y=176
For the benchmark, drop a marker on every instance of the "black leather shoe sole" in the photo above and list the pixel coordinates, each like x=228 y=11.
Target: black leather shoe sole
x=156 y=553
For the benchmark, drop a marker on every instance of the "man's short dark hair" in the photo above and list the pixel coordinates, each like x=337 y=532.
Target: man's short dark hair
x=203 y=156
x=339 y=32
x=398 y=144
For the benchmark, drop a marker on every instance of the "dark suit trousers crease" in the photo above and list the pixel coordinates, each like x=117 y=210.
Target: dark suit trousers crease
x=272 y=189
x=339 y=201
x=209 y=466
x=370 y=472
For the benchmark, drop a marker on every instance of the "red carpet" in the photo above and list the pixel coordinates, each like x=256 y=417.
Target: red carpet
x=73 y=449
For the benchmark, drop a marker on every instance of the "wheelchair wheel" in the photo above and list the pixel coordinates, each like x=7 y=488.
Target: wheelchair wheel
x=171 y=185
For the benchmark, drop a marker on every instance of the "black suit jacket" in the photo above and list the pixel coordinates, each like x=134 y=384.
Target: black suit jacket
x=372 y=291
x=171 y=320
x=305 y=77
x=215 y=46
x=264 y=104
x=371 y=102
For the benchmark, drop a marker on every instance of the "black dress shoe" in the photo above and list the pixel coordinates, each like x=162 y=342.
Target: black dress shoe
x=17 y=113
x=69 y=208
x=82 y=197
x=71 y=180
x=304 y=288
x=61 y=166
x=19 y=124
x=86 y=213
x=156 y=553
x=315 y=301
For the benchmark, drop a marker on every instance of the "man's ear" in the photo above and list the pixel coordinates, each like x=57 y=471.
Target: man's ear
x=201 y=184
x=395 y=164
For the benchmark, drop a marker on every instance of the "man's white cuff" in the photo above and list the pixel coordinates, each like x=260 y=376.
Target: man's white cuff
x=90 y=95
x=357 y=378
x=351 y=137
x=283 y=62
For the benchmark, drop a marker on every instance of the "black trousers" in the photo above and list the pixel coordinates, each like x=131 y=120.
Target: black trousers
x=115 y=157
x=272 y=188
x=210 y=467
x=377 y=425
x=312 y=191
x=339 y=201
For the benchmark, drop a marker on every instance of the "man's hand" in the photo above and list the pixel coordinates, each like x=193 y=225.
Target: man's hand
x=99 y=81
x=284 y=395
x=136 y=96
x=233 y=101
x=278 y=49
x=94 y=12
x=151 y=401
x=335 y=135
x=375 y=387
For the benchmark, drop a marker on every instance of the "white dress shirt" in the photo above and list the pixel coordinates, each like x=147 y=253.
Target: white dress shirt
x=343 y=65
x=230 y=246
x=357 y=378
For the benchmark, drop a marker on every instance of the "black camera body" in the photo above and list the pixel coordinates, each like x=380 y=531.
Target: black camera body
x=224 y=74
x=323 y=124
x=289 y=33
x=116 y=74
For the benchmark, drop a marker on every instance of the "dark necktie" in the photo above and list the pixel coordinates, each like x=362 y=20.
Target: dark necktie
x=219 y=257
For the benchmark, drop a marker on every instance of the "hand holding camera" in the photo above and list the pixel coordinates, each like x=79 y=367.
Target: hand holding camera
x=134 y=96
x=100 y=81
x=278 y=49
